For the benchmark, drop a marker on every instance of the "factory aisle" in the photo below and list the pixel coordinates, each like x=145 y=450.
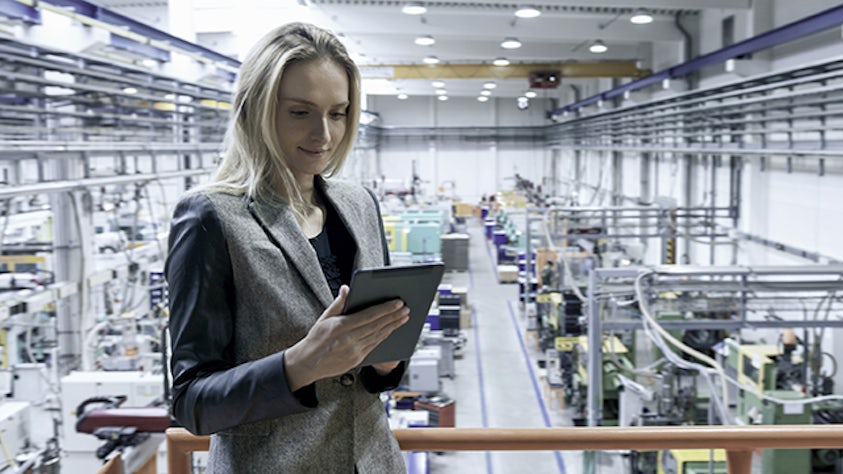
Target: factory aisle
x=497 y=383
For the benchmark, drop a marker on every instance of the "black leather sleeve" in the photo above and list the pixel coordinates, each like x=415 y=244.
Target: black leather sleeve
x=374 y=382
x=210 y=392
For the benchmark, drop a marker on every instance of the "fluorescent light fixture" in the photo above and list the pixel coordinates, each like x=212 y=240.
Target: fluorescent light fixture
x=530 y=94
x=489 y=85
x=425 y=40
x=413 y=8
x=483 y=98
x=641 y=17
x=510 y=43
x=501 y=62
x=130 y=90
x=598 y=47
x=486 y=93
x=430 y=60
x=443 y=98
x=149 y=62
x=402 y=96
x=438 y=84
x=441 y=92
x=527 y=11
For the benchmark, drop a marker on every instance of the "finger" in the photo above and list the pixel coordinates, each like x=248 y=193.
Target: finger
x=373 y=313
x=376 y=333
x=336 y=306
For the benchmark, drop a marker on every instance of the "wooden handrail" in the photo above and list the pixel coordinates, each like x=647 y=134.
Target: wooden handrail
x=738 y=441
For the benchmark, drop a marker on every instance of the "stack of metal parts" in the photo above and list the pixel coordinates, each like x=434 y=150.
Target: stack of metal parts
x=449 y=314
x=455 y=252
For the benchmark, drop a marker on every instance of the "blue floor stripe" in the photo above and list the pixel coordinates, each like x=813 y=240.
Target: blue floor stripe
x=492 y=261
x=534 y=380
x=483 y=414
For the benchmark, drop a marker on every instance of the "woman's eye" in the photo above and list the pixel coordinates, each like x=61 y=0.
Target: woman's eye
x=298 y=113
x=338 y=115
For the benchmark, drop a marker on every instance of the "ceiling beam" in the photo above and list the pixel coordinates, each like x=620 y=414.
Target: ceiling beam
x=485 y=71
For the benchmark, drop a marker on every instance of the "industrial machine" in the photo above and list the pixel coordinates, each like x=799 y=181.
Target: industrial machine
x=573 y=356
x=692 y=461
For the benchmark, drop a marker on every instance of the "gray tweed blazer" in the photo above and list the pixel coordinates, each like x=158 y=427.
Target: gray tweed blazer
x=245 y=284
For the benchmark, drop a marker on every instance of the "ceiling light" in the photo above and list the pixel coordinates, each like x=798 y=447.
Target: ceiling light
x=598 y=47
x=489 y=85
x=530 y=94
x=130 y=90
x=149 y=62
x=443 y=97
x=413 y=8
x=441 y=92
x=501 y=62
x=438 y=84
x=425 y=40
x=402 y=96
x=641 y=17
x=486 y=93
x=482 y=98
x=527 y=11
x=510 y=43
x=430 y=60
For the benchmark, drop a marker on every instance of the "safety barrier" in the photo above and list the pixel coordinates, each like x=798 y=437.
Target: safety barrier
x=738 y=441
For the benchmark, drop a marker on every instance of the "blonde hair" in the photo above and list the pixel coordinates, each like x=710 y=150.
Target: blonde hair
x=252 y=162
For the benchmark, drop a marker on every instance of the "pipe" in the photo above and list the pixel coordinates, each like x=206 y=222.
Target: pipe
x=691 y=79
x=125 y=26
x=792 y=31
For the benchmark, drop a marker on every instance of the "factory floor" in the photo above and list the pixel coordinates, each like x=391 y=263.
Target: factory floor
x=498 y=383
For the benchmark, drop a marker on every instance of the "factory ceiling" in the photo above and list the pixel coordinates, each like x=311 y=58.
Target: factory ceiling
x=444 y=36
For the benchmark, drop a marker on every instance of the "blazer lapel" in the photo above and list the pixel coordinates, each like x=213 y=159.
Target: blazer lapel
x=349 y=213
x=280 y=224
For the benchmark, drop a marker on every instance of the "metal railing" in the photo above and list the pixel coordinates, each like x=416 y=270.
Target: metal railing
x=738 y=441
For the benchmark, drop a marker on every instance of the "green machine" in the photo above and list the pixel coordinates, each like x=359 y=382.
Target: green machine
x=757 y=365
x=578 y=348
x=757 y=411
x=692 y=461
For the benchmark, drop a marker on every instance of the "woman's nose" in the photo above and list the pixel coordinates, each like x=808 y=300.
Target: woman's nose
x=320 y=131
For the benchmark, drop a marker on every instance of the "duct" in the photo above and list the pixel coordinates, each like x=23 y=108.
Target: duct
x=792 y=31
x=18 y=11
x=92 y=14
x=513 y=71
x=134 y=47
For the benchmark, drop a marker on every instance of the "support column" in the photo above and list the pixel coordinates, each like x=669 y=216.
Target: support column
x=555 y=156
x=688 y=164
x=71 y=250
x=578 y=176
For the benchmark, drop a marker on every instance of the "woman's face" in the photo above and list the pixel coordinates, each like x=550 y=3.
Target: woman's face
x=311 y=116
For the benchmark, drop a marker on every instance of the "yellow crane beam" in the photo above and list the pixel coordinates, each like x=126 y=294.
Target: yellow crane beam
x=513 y=71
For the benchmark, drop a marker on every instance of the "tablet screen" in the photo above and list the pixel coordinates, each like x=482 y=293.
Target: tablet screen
x=414 y=284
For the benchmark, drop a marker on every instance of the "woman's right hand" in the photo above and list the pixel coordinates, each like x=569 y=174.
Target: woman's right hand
x=338 y=343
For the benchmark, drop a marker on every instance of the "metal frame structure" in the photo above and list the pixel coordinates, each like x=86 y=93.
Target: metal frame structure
x=739 y=290
x=75 y=125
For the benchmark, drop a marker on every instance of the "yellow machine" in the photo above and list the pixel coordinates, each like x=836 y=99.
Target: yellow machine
x=691 y=461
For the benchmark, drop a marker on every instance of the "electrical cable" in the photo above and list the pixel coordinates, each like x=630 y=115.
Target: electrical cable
x=660 y=331
x=85 y=300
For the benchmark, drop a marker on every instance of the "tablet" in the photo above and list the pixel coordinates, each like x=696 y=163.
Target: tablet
x=414 y=284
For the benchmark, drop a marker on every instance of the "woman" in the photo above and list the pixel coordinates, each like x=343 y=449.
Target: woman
x=259 y=262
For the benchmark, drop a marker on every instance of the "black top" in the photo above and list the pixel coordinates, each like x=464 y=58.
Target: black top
x=335 y=249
